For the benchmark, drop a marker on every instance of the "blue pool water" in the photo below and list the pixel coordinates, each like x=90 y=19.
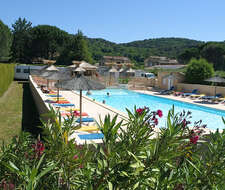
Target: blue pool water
x=121 y=99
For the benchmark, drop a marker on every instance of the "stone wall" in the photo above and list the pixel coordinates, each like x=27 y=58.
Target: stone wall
x=141 y=83
x=203 y=89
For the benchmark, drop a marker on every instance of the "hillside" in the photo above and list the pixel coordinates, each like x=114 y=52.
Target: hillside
x=137 y=51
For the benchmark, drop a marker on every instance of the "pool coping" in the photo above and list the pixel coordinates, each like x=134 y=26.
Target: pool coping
x=183 y=100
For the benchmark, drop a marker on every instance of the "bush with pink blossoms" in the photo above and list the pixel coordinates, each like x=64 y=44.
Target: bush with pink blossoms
x=134 y=154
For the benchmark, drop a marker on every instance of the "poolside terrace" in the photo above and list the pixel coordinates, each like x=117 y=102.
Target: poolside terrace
x=196 y=101
x=95 y=110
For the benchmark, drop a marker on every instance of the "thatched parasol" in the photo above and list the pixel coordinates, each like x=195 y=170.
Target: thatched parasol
x=215 y=79
x=47 y=71
x=59 y=76
x=79 y=82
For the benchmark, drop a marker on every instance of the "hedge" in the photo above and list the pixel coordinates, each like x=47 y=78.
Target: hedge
x=6 y=76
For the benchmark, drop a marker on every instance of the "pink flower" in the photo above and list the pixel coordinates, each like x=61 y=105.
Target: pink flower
x=140 y=111
x=184 y=122
x=38 y=148
x=159 y=113
x=156 y=121
x=11 y=186
x=194 y=139
x=75 y=157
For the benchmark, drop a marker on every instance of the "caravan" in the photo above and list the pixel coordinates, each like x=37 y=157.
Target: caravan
x=22 y=72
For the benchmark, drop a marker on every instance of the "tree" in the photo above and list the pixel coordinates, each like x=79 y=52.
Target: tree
x=188 y=54
x=198 y=70
x=21 y=38
x=47 y=41
x=214 y=53
x=5 y=41
x=76 y=49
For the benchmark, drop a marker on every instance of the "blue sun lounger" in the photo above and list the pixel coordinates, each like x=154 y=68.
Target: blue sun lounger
x=91 y=136
x=85 y=119
x=54 y=95
x=63 y=105
x=211 y=97
x=190 y=93
x=167 y=92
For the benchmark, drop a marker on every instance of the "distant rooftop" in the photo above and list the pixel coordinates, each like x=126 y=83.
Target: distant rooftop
x=116 y=58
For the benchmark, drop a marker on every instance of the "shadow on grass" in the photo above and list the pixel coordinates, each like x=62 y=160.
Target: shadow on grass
x=30 y=115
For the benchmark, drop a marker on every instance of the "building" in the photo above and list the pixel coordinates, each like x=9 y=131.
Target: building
x=90 y=70
x=117 y=61
x=153 y=61
x=168 y=79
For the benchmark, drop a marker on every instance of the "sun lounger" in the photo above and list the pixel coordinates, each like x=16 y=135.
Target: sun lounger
x=85 y=119
x=63 y=105
x=88 y=128
x=69 y=114
x=62 y=102
x=58 y=102
x=177 y=93
x=211 y=97
x=77 y=113
x=55 y=98
x=54 y=95
x=194 y=92
x=194 y=96
x=167 y=92
x=69 y=109
x=91 y=136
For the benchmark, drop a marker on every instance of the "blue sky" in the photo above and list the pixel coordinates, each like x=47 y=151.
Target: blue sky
x=124 y=20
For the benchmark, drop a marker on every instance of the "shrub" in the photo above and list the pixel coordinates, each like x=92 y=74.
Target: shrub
x=131 y=156
x=123 y=80
x=198 y=70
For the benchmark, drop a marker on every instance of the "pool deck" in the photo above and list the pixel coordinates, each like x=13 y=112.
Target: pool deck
x=218 y=106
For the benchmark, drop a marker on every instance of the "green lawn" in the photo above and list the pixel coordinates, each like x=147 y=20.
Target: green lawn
x=11 y=112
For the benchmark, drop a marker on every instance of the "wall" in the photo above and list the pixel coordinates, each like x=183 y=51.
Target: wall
x=141 y=83
x=41 y=105
x=203 y=89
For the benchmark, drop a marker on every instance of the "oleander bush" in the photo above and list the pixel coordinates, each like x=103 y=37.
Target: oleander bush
x=131 y=156
x=6 y=76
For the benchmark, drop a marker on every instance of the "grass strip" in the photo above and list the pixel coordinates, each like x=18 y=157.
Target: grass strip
x=11 y=112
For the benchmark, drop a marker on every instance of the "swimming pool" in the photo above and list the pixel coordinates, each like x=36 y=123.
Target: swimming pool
x=121 y=99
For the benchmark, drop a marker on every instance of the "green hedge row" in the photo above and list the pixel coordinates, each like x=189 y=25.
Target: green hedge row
x=6 y=76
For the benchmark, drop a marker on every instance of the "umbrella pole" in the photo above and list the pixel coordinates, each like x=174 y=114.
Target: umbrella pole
x=58 y=91
x=215 y=90
x=47 y=84
x=80 y=107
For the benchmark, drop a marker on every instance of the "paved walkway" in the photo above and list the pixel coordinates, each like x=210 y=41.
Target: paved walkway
x=94 y=109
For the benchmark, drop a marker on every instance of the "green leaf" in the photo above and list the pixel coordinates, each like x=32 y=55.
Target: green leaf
x=110 y=185
x=194 y=166
x=136 y=185
x=45 y=171
x=13 y=166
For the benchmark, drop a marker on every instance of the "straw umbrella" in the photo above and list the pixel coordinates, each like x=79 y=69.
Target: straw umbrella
x=47 y=71
x=59 y=76
x=80 y=82
x=130 y=71
x=112 y=70
x=216 y=79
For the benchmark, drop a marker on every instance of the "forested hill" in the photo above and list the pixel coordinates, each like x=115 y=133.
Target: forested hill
x=137 y=51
